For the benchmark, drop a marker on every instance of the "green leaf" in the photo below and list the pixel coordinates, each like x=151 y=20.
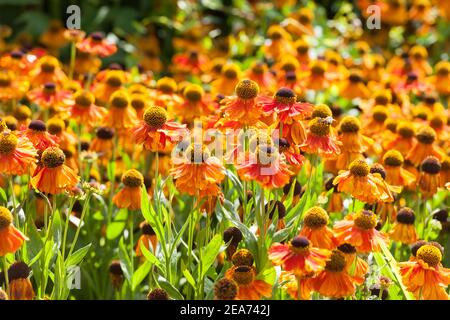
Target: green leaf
x=151 y=217
x=210 y=252
x=151 y=257
x=140 y=274
x=34 y=245
x=179 y=236
x=189 y=278
x=125 y=261
x=57 y=228
x=393 y=270
x=76 y=257
x=59 y=278
x=3 y=196
x=170 y=289
x=116 y=227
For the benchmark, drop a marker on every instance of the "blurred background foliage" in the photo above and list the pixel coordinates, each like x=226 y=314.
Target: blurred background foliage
x=30 y=18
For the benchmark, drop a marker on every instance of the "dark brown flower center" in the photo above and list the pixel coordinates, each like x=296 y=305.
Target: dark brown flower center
x=359 y=168
x=155 y=117
x=315 y=218
x=53 y=157
x=132 y=178
x=336 y=263
x=365 y=220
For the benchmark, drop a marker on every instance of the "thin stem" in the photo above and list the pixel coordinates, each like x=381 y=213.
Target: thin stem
x=192 y=222
x=66 y=227
x=13 y=196
x=131 y=221
x=77 y=233
x=48 y=233
x=5 y=272
x=112 y=182
x=299 y=286
x=73 y=52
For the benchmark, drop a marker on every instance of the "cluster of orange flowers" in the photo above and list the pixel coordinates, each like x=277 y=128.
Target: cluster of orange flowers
x=56 y=118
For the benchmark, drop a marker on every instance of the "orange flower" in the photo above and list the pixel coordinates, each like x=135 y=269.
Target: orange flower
x=424 y=146
x=191 y=62
x=376 y=121
x=242 y=107
x=262 y=76
x=354 y=86
x=11 y=86
x=285 y=106
x=403 y=229
x=320 y=138
x=103 y=143
x=17 y=154
x=74 y=35
x=96 y=44
x=120 y=114
x=318 y=78
x=16 y=61
x=292 y=154
x=395 y=174
x=361 y=184
x=110 y=82
x=290 y=284
x=429 y=179
x=445 y=171
x=166 y=94
x=271 y=208
x=48 y=97
x=47 y=69
x=290 y=81
x=20 y=287
x=298 y=257
x=441 y=79
x=249 y=287
x=11 y=239
x=280 y=42
x=403 y=140
x=57 y=127
x=84 y=111
x=265 y=166
x=196 y=104
x=130 y=196
x=38 y=135
x=315 y=228
x=355 y=266
x=227 y=81
x=425 y=276
x=353 y=142
x=334 y=281
x=148 y=237
x=52 y=175
x=198 y=173
x=54 y=38
x=155 y=130
x=358 y=229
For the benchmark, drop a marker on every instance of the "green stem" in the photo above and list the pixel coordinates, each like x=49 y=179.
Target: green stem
x=77 y=233
x=66 y=227
x=13 y=196
x=299 y=290
x=73 y=52
x=112 y=179
x=5 y=272
x=131 y=220
x=48 y=234
x=192 y=220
